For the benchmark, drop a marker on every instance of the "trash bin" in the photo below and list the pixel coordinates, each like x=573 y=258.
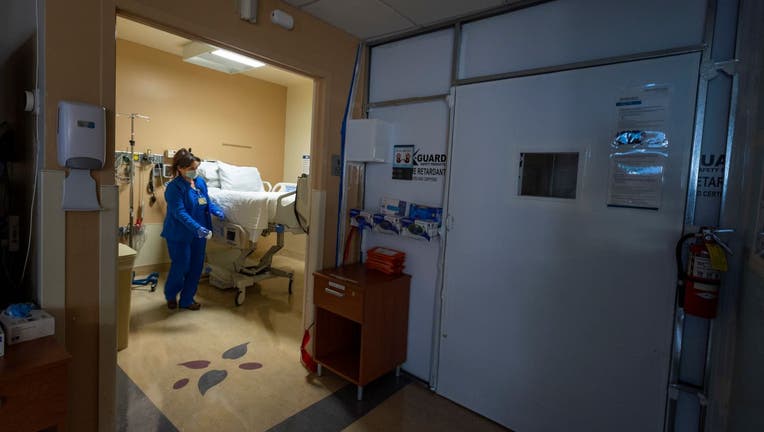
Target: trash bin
x=125 y=282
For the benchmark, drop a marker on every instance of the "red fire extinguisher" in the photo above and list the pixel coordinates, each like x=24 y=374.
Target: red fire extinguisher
x=701 y=281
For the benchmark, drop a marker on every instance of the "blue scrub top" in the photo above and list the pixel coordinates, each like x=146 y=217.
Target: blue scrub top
x=187 y=209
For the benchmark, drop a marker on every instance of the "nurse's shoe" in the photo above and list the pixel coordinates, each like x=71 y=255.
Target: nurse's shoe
x=172 y=304
x=193 y=306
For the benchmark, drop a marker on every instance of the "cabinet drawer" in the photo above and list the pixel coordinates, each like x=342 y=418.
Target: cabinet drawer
x=33 y=402
x=338 y=297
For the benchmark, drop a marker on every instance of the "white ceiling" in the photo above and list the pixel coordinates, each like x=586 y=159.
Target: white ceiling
x=169 y=43
x=372 y=19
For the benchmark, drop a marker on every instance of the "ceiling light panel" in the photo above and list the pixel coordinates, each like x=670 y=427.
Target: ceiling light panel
x=208 y=56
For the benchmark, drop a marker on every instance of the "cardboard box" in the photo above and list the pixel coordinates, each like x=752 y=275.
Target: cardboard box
x=419 y=229
x=38 y=324
x=361 y=219
x=387 y=224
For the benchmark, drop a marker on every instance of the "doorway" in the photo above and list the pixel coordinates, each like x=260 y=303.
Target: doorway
x=252 y=122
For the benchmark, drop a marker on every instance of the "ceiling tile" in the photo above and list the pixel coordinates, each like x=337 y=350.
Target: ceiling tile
x=425 y=12
x=298 y=3
x=363 y=18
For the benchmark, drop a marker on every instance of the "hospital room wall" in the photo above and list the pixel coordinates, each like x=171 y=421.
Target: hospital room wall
x=299 y=121
x=313 y=48
x=80 y=65
x=233 y=118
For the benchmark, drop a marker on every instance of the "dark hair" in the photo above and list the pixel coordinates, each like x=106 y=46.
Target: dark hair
x=183 y=159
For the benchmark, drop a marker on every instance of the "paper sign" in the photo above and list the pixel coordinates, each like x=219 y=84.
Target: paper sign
x=639 y=150
x=636 y=180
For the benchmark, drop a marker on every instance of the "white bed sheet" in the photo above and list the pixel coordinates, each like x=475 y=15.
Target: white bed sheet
x=251 y=210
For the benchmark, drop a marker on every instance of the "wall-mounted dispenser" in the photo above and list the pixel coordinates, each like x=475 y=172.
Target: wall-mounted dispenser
x=81 y=148
x=368 y=140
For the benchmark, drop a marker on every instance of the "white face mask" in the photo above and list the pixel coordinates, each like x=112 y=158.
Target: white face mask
x=191 y=174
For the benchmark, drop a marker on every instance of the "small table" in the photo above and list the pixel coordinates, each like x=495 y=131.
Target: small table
x=361 y=322
x=33 y=378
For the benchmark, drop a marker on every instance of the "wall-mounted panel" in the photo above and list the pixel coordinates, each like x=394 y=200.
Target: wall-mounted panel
x=425 y=127
x=570 y=31
x=414 y=67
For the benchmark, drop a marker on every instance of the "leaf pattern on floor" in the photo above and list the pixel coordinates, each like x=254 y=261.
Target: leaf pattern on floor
x=216 y=376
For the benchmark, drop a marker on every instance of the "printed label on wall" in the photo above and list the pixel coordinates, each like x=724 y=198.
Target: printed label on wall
x=711 y=175
x=639 y=151
x=403 y=162
x=411 y=163
x=306 y=164
x=429 y=166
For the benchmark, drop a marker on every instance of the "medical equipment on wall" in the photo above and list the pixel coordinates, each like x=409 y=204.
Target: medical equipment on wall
x=699 y=285
x=131 y=171
x=368 y=140
x=81 y=146
x=397 y=217
x=387 y=224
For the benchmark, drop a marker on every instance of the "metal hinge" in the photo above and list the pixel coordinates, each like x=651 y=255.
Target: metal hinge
x=710 y=69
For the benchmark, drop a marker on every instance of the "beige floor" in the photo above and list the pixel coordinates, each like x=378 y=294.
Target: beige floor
x=270 y=321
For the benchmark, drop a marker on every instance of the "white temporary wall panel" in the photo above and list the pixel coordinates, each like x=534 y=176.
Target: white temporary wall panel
x=414 y=67
x=424 y=125
x=569 y=31
x=558 y=312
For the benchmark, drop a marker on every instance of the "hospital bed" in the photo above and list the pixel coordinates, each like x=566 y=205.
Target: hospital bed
x=254 y=209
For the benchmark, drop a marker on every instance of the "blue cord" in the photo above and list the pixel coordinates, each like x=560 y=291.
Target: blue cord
x=340 y=216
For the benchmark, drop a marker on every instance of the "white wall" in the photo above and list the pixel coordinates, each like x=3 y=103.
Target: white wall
x=151 y=247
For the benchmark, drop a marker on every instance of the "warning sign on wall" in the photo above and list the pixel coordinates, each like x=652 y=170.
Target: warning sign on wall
x=403 y=162
x=711 y=175
x=412 y=163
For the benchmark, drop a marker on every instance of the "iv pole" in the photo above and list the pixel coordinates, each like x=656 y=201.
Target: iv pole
x=132 y=116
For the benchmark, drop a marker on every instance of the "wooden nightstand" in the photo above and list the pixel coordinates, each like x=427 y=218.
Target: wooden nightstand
x=33 y=377
x=361 y=322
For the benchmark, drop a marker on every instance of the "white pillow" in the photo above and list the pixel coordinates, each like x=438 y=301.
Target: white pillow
x=238 y=178
x=209 y=170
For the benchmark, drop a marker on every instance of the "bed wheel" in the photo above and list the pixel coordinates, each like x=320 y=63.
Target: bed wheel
x=153 y=287
x=290 y=286
x=240 y=296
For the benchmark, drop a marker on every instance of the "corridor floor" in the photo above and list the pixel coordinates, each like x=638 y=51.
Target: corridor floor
x=228 y=368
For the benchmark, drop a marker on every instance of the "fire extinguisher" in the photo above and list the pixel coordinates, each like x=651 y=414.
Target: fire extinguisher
x=699 y=284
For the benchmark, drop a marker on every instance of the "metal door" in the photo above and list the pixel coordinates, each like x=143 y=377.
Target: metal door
x=557 y=311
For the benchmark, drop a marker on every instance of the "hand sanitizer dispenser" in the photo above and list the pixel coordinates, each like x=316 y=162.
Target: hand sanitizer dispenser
x=81 y=148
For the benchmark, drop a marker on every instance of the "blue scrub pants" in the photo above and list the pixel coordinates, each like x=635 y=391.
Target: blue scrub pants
x=185 y=269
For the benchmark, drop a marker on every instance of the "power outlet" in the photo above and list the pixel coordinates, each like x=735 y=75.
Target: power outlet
x=13 y=233
x=169 y=153
x=336 y=165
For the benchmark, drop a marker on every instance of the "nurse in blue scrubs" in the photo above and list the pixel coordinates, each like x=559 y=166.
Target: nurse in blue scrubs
x=187 y=227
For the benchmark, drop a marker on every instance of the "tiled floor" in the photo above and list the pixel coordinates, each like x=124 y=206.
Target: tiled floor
x=228 y=368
